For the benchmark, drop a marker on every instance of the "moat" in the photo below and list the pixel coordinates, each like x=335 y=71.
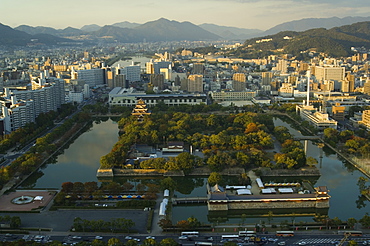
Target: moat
x=81 y=160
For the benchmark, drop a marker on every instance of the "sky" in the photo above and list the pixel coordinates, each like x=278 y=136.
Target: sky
x=251 y=14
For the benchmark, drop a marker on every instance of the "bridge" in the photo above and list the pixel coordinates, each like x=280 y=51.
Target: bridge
x=306 y=138
x=187 y=200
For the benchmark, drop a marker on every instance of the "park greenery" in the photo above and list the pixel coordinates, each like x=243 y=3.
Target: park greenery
x=226 y=140
x=11 y=222
x=114 y=225
x=348 y=142
x=44 y=146
x=78 y=191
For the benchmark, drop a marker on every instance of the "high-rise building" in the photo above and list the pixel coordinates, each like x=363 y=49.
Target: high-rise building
x=195 y=83
x=132 y=73
x=367 y=87
x=329 y=73
x=198 y=68
x=266 y=78
x=47 y=94
x=366 y=119
x=282 y=66
x=157 y=80
x=120 y=81
x=92 y=77
x=239 y=77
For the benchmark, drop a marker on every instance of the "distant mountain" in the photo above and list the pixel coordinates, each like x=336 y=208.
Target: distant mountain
x=231 y=33
x=310 y=23
x=335 y=42
x=69 y=31
x=166 y=30
x=126 y=24
x=90 y=28
x=10 y=36
x=35 y=30
x=124 y=35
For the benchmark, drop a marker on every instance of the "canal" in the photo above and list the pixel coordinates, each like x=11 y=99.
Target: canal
x=81 y=160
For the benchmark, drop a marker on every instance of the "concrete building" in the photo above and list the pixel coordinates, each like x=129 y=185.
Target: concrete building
x=198 y=68
x=338 y=112
x=157 y=80
x=323 y=73
x=195 y=83
x=266 y=78
x=123 y=97
x=232 y=95
x=317 y=119
x=132 y=73
x=92 y=77
x=365 y=119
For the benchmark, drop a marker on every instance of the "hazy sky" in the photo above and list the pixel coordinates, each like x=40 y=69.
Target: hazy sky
x=260 y=14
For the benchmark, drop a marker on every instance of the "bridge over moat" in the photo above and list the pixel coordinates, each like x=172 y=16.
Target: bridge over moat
x=187 y=200
x=298 y=138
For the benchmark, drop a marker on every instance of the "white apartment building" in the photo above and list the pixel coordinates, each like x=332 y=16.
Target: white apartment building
x=23 y=106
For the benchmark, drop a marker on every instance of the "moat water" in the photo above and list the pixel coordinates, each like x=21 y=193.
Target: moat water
x=81 y=160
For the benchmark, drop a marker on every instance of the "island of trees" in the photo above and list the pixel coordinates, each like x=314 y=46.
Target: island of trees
x=226 y=141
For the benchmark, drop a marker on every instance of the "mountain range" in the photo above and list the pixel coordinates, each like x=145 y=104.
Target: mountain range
x=158 y=30
x=335 y=42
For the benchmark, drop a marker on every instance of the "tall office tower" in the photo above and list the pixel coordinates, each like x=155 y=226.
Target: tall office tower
x=329 y=73
x=293 y=79
x=303 y=66
x=266 y=78
x=86 y=55
x=239 y=77
x=367 y=87
x=167 y=73
x=86 y=91
x=195 y=83
x=275 y=85
x=198 y=68
x=110 y=78
x=239 y=86
x=351 y=81
x=157 y=80
x=239 y=82
x=161 y=64
x=149 y=67
x=120 y=81
x=132 y=73
x=282 y=66
x=184 y=84
x=92 y=77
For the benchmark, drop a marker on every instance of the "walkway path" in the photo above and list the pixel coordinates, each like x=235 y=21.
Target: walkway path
x=255 y=189
x=156 y=229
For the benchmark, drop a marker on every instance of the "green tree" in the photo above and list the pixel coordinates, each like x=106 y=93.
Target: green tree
x=351 y=222
x=310 y=161
x=214 y=178
x=168 y=183
x=114 y=242
x=193 y=222
x=165 y=223
x=365 y=220
x=168 y=242
x=149 y=242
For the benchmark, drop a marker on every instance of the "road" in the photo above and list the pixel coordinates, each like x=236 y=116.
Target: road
x=269 y=240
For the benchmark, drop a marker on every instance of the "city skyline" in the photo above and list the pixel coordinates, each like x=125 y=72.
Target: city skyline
x=251 y=14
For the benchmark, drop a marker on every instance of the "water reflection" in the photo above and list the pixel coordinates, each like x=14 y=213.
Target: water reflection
x=80 y=161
